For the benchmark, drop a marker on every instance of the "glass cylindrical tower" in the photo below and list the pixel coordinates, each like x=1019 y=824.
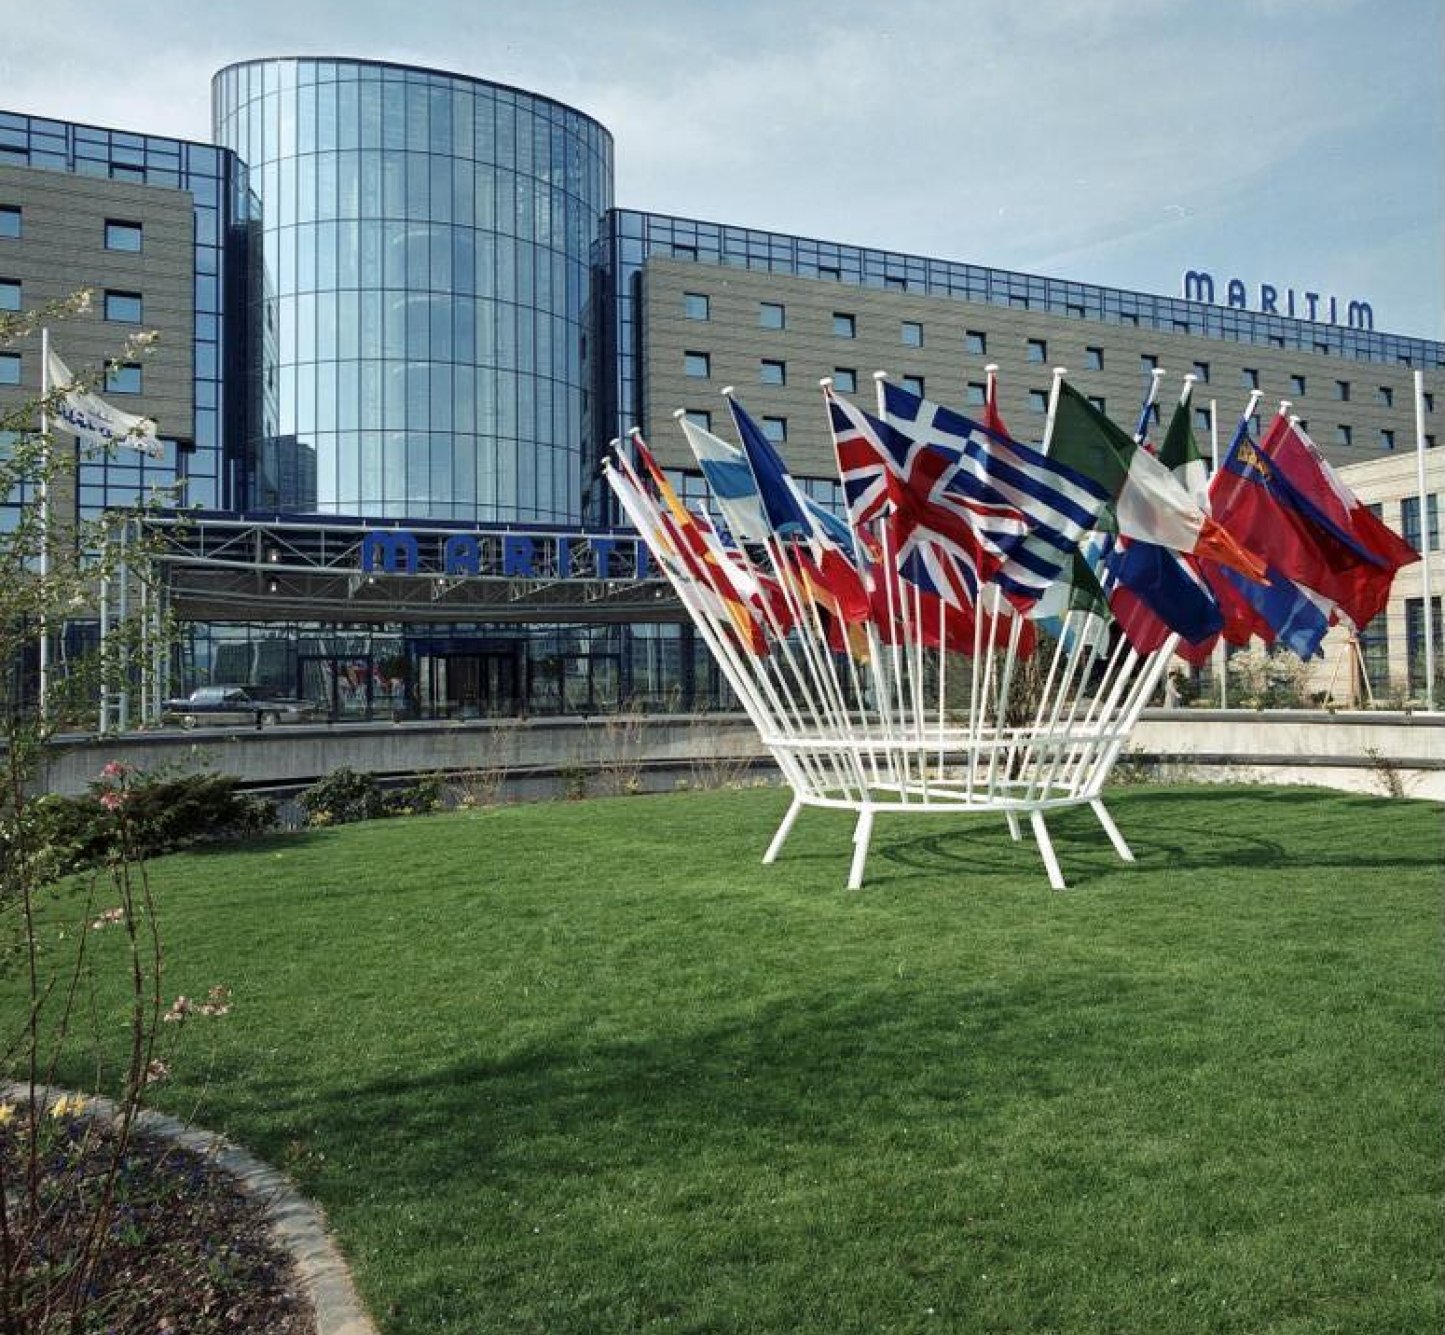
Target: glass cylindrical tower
x=426 y=242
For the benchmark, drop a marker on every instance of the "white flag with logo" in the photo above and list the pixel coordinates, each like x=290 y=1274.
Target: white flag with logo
x=95 y=422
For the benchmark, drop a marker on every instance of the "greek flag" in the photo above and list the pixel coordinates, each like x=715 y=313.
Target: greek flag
x=1059 y=503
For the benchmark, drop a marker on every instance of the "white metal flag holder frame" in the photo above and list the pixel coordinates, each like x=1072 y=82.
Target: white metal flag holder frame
x=885 y=735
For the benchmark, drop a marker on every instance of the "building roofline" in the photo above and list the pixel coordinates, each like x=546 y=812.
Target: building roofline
x=117 y=129
x=1012 y=273
x=433 y=70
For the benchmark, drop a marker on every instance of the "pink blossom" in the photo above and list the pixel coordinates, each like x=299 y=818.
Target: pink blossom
x=112 y=800
x=114 y=769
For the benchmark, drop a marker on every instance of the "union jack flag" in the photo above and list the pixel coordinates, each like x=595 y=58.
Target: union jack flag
x=941 y=533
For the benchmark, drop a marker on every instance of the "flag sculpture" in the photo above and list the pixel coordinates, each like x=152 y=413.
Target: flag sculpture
x=982 y=629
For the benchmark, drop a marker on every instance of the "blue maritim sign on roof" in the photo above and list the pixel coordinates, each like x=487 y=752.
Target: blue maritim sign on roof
x=1199 y=285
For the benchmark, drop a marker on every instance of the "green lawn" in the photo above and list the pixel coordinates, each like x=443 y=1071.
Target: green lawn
x=589 y=1067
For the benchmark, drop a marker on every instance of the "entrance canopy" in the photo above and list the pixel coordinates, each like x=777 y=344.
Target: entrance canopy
x=284 y=567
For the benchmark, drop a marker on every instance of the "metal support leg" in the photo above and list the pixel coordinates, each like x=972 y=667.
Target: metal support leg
x=862 y=833
x=1046 y=850
x=784 y=830
x=1015 y=831
x=1112 y=830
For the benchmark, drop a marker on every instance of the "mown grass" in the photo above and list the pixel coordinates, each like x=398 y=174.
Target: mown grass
x=588 y=1067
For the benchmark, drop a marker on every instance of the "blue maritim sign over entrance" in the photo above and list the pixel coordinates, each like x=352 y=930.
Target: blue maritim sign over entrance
x=504 y=554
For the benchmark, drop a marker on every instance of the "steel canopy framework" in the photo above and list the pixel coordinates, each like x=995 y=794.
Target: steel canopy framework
x=249 y=567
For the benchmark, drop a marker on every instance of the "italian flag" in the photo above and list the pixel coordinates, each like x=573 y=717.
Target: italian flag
x=1150 y=502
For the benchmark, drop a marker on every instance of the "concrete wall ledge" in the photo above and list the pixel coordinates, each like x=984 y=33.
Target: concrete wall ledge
x=1349 y=749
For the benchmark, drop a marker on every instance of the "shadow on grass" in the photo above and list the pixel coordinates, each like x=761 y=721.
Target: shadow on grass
x=1196 y=833
x=791 y=1080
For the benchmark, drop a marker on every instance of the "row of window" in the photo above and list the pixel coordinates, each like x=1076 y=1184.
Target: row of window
x=120 y=377
x=845 y=380
x=773 y=315
x=119 y=233
x=119 y=307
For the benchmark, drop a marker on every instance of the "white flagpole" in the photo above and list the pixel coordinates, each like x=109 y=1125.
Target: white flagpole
x=1429 y=626
x=43 y=498
x=1221 y=654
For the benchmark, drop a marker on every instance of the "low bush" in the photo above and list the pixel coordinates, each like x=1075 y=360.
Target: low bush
x=342 y=797
x=427 y=793
x=164 y=814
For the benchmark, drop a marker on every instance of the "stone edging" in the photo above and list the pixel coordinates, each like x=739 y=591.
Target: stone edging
x=297 y=1225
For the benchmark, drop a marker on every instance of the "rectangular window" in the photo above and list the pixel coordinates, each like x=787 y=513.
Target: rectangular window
x=1410 y=520
x=696 y=306
x=124 y=307
x=1038 y=400
x=699 y=417
x=1429 y=398
x=1093 y=359
x=10 y=221
x=1201 y=419
x=772 y=315
x=697 y=364
x=122 y=235
x=1099 y=402
x=1296 y=384
x=123 y=378
x=772 y=373
x=1038 y=350
x=1375 y=652
x=1415 y=642
x=776 y=429
x=9 y=368
x=1201 y=369
x=1386 y=397
x=1148 y=362
x=912 y=383
x=1342 y=390
x=912 y=333
x=1344 y=435
x=845 y=379
x=844 y=325
x=1249 y=378
x=976 y=342
x=977 y=393
x=1387 y=439
x=9 y=294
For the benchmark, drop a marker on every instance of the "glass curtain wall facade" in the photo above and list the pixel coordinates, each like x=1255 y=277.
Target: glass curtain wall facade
x=224 y=210
x=426 y=266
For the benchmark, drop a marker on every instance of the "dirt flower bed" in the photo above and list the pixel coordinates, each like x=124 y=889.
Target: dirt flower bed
x=182 y=1249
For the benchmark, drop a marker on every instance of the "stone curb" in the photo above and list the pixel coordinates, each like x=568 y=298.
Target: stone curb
x=297 y=1224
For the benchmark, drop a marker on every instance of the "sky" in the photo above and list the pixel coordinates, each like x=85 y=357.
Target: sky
x=1299 y=143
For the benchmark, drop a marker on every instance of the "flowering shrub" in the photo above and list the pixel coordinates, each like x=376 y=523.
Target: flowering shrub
x=341 y=797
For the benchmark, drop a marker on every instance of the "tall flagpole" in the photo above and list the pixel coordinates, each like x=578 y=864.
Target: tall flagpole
x=1429 y=626
x=1221 y=654
x=44 y=503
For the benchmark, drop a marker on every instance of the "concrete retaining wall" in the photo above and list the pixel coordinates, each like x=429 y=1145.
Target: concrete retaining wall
x=1354 y=751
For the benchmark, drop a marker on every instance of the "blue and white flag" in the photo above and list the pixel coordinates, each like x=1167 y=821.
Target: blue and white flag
x=93 y=421
x=731 y=482
x=1060 y=503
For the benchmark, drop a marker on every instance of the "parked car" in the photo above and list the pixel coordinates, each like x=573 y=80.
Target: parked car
x=221 y=705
